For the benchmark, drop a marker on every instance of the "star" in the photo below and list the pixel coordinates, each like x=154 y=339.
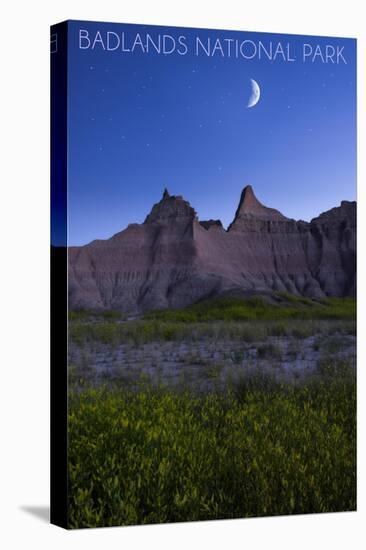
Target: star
x=91 y=67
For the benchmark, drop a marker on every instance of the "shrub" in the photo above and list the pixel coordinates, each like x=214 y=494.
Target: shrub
x=157 y=456
x=269 y=351
x=256 y=307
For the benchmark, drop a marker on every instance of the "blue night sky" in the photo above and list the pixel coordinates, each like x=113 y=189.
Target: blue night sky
x=140 y=122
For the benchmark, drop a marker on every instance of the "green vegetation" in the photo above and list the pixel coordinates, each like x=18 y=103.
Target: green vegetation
x=259 y=449
x=285 y=306
x=250 y=320
x=90 y=315
x=142 y=454
x=143 y=331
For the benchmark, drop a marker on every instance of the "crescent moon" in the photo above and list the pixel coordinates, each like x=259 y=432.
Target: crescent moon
x=255 y=95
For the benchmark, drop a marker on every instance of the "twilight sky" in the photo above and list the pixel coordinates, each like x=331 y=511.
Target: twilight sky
x=140 y=122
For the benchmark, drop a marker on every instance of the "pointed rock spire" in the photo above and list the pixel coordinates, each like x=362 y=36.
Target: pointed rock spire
x=248 y=200
x=250 y=207
x=171 y=208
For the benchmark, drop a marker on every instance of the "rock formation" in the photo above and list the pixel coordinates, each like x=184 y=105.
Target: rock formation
x=173 y=260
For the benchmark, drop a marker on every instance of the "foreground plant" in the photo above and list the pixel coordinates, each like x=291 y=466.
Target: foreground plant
x=261 y=449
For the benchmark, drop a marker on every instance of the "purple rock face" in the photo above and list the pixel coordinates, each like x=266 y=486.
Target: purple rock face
x=173 y=260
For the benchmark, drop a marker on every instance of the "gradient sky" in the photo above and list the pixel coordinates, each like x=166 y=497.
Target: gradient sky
x=141 y=122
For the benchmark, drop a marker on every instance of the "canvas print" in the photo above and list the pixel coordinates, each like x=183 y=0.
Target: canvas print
x=203 y=274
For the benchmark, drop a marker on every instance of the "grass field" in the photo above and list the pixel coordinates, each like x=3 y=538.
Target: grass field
x=150 y=453
x=282 y=306
x=260 y=449
x=224 y=318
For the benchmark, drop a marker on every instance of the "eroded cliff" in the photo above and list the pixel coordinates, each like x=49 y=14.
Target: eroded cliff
x=173 y=260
